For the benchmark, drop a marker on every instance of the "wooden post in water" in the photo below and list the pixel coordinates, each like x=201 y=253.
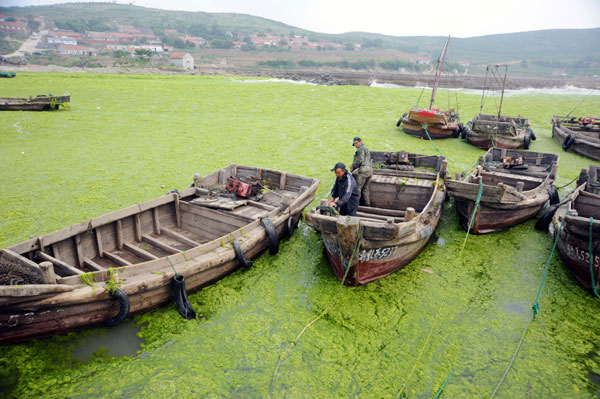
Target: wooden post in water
x=348 y=228
x=48 y=272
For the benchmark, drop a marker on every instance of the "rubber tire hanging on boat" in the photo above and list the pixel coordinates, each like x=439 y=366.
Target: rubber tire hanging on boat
x=123 y=308
x=544 y=221
x=458 y=131
x=568 y=143
x=553 y=195
x=290 y=226
x=239 y=255
x=532 y=134
x=181 y=299
x=402 y=117
x=271 y=235
x=463 y=133
x=527 y=141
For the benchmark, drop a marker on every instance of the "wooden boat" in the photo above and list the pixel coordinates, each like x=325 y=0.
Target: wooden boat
x=581 y=209
x=39 y=103
x=406 y=193
x=516 y=185
x=201 y=233
x=7 y=74
x=580 y=135
x=438 y=124
x=487 y=131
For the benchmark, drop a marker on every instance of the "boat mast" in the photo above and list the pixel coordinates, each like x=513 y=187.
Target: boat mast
x=438 y=75
x=503 y=85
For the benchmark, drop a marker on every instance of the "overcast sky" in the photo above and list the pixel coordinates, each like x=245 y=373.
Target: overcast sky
x=459 y=18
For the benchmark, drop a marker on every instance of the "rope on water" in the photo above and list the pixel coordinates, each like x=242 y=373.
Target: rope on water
x=563 y=186
x=320 y=316
x=439 y=392
x=592 y=258
x=534 y=307
x=472 y=220
x=429 y=137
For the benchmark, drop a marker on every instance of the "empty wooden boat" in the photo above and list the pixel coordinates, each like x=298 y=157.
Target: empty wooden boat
x=581 y=215
x=406 y=193
x=39 y=103
x=432 y=123
x=512 y=186
x=59 y=281
x=580 y=135
x=487 y=131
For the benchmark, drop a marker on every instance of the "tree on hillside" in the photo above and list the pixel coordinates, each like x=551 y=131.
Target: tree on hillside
x=349 y=47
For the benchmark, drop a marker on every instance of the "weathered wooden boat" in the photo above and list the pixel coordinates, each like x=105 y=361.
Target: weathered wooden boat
x=60 y=281
x=580 y=135
x=432 y=123
x=406 y=193
x=512 y=187
x=580 y=216
x=487 y=131
x=7 y=74
x=38 y=103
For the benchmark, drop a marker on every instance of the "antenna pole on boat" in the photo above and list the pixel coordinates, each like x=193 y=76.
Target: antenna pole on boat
x=439 y=73
x=503 y=85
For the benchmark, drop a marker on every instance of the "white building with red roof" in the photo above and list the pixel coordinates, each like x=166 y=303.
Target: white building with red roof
x=182 y=60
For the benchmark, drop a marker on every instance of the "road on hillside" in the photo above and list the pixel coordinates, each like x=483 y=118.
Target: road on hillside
x=29 y=45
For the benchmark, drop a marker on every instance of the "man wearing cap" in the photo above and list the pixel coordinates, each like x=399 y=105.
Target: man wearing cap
x=362 y=167
x=344 y=191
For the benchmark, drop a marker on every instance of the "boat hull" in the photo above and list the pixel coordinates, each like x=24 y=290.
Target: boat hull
x=375 y=263
x=573 y=241
x=581 y=144
x=487 y=131
x=39 y=103
x=416 y=130
x=190 y=233
x=506 y=196
x=490 y=218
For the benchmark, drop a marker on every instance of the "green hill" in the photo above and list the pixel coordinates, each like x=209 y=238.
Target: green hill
x=559 y=48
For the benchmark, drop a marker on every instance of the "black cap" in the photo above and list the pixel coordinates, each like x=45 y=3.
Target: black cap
x=355 y=140
x=339 y=165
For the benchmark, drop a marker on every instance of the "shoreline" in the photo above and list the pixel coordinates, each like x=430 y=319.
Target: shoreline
x=330 y=78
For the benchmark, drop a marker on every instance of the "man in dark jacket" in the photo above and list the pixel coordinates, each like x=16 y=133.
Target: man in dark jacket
x=344 y=191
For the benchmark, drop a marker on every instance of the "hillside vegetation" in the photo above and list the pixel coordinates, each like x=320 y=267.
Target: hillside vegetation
x=531 y=52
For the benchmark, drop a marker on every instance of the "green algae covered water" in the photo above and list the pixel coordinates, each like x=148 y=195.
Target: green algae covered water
x=128 y=138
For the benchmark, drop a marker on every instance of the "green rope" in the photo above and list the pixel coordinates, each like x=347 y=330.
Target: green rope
x=173 y=267
x=592 y=258
x=565 y=185
x=439 y=392
x=492 y=139
x=472 y=220
x=429 y=137
x=535 y=308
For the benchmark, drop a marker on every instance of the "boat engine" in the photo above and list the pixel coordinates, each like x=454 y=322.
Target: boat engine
x=241 y=188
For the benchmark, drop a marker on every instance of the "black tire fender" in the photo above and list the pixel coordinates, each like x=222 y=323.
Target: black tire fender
x=544 y=221
x=181 y=299
x=532 y=134
x=553 y=195
x=527 y=141
x=239 y=255
x=123 y=308
x=568 y=143
x=271 y=235
x=290 y=226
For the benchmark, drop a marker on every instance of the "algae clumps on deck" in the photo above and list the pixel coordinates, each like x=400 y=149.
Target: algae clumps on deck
x=126 y=136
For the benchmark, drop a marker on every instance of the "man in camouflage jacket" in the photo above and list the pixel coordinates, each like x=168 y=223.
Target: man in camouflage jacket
x=362 y=168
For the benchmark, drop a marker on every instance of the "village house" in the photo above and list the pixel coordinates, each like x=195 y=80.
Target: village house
x=182 y=60
x=62 y=40
x=65 y=49
x=14 y=28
